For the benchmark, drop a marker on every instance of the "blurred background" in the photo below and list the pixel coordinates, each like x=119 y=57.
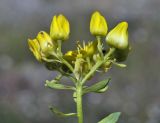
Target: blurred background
x=134 y=90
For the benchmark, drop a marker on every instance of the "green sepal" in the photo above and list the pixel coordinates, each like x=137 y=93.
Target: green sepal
x=61 y=114
x=99 y=87
x=53 y=84
x=121 y=55
x=112 y=118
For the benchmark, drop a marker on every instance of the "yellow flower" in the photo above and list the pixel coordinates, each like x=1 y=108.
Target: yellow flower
x=118 y=37
x=70 y=56
x=41 y=46
x=98 y=25
x=60 y=28
x=85 y=51
x=89 y=49
x=35 y=48
x=45 y=41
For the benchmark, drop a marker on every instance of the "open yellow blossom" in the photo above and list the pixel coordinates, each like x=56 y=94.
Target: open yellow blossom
x=89 y=49
x=98 y=25
x=85 y=51
x=35 y=48
x=59 y=29
x=118 y=37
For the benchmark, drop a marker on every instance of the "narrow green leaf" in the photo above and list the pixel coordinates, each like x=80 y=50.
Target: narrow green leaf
x=61 y=114
x=119 y=65
x=54 y=85
x=103 y=90
x=99 y=87
x=112 y=118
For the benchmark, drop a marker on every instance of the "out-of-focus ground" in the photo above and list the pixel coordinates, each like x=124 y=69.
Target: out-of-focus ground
x=134 y=90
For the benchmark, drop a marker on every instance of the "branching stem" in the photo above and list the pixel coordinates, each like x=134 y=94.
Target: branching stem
x=97 y=65
x=79 y=103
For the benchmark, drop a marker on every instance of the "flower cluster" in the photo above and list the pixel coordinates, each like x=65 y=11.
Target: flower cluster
x=81 y=64
x=47 y=47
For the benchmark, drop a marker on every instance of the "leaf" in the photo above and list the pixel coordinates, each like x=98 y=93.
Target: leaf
x=99 y=87
x=54 y=85
x=112 y=118
x=103 y=90
x=61 y=114
x=119 y=65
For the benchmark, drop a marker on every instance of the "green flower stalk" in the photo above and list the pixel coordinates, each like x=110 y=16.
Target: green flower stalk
x=81 y=64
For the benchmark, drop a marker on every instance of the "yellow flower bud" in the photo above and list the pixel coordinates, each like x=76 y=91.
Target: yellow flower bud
x=35 y=48
x=45 y=41
x=41 y=46
x=98 y=25
x=118 y=37
x=60 y=28
x=96 y=57
x=91 y=48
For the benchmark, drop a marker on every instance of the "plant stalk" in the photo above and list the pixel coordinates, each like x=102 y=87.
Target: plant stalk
x=97 y=65
x=100 y=46
x=79 y=103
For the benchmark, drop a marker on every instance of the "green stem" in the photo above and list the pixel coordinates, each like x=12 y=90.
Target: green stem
x=59 y=50
x=79 y=103
x=97 y=65
x=60 y=56
x=67 y=64
x=99 y=46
